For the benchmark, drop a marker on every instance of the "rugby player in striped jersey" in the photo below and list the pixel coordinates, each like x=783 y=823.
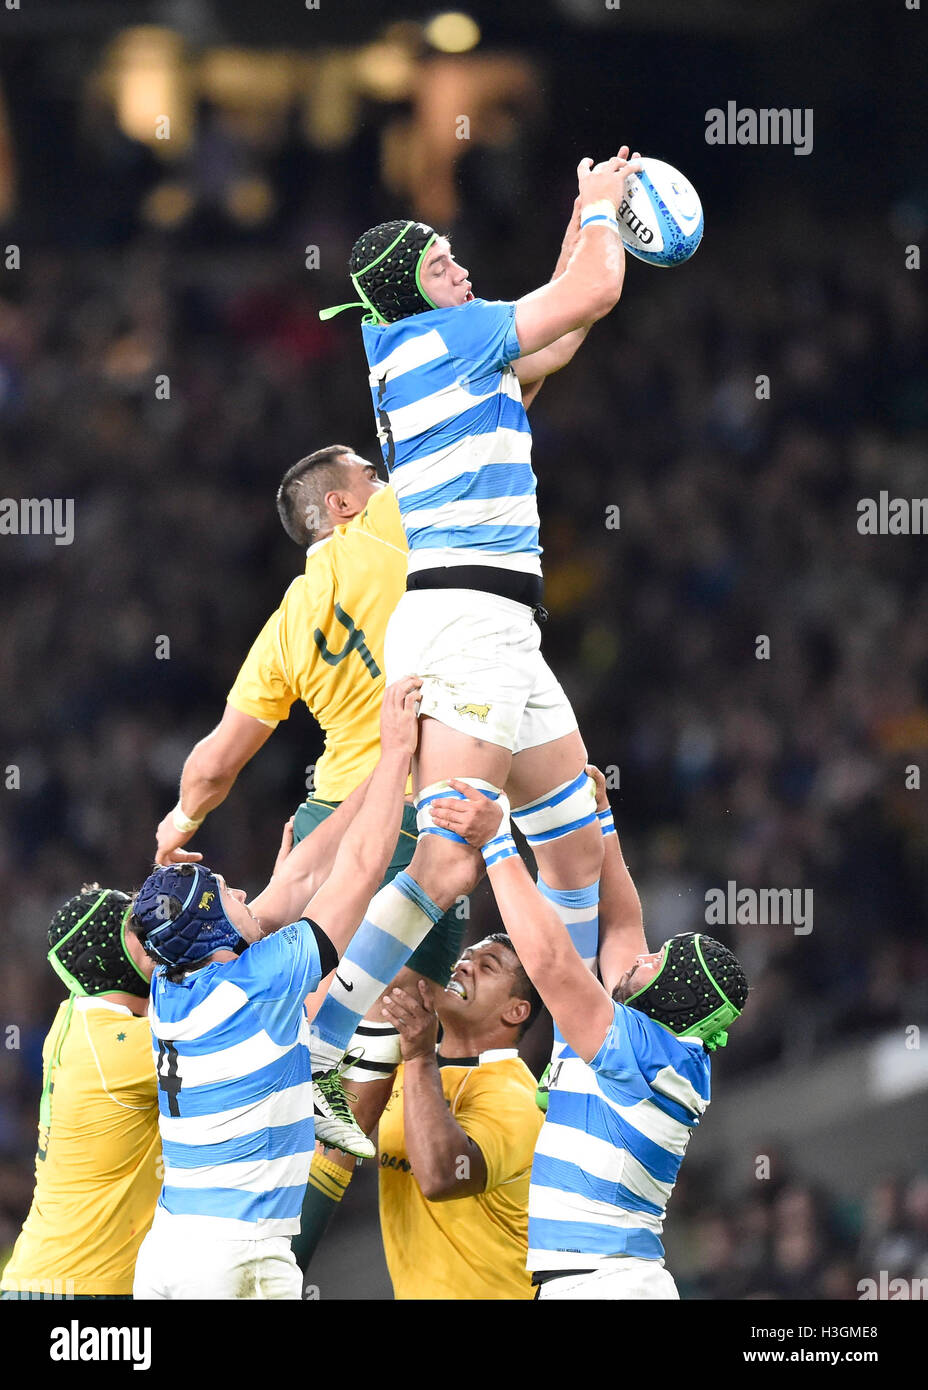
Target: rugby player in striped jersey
x=629 y=1088
x=450 y=375
x=231 y=1048
x=325 y=646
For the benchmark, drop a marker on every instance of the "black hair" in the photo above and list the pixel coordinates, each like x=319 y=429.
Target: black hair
x=301 y=495
x=523 y=987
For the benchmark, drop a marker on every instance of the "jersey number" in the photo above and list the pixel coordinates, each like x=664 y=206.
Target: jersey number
x=168 y=1079
x=354 y=643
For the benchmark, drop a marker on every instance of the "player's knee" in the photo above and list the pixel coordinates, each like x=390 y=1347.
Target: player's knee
x=446 y=869
x=572 y=862
x=463 y=875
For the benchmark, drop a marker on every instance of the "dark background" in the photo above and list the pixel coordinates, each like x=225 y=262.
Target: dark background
x=738 y=515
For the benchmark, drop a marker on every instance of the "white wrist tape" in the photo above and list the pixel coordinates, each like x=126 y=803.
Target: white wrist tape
x=502 y=845
x=504 y=829
x=606 y=821
x=183 y=824
x=600 y=213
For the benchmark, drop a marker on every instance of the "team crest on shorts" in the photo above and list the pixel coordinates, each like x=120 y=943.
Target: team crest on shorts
x=477 y=711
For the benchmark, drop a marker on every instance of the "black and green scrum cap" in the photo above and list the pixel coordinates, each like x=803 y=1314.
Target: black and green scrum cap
x=385 y=267
x=87 y=945
x=87 y=950
x=698 y=992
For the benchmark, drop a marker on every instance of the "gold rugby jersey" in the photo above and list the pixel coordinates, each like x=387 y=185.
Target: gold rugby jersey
x=473 y=1247
x=324 y=644
x=97 y=1170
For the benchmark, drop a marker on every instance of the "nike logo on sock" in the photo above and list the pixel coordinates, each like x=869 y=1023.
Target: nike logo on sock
x=344 y=983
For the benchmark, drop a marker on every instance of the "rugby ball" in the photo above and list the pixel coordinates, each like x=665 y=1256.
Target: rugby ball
x=660 y=219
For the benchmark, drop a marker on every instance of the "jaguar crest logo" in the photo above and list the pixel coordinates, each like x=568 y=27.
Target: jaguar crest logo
x=475 y=711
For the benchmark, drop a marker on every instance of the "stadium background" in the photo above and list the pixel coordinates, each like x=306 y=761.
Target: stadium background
x=294 y=129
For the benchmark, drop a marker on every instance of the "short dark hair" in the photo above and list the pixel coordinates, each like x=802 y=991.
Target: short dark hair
x=301 y=495
x=522 y=984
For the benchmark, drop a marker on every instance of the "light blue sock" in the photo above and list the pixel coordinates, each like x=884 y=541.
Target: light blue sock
x=399 y=916
x=578 y=909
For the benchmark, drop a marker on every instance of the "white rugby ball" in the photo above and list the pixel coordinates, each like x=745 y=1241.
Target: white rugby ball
x=660 y=218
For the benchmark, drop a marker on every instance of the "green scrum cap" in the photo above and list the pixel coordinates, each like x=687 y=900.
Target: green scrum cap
x=87 y=945
x=385 y=267
x=88 y=952
x=698 y=992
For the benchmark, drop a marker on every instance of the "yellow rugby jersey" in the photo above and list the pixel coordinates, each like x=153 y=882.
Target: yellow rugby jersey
x=97 y=1169
x=474 y=1247
x=324 y=645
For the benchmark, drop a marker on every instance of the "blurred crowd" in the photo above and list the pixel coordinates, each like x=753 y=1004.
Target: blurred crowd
x=734 y=411
x=788 y=1239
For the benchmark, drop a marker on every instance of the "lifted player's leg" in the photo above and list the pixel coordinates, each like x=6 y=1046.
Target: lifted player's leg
x=443 y=868
x=477 y=657
x=371 y=1077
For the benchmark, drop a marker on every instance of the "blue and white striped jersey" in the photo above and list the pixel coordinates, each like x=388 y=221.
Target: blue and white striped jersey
x=612 y=1144
x=455 y=436
x=231 y=1046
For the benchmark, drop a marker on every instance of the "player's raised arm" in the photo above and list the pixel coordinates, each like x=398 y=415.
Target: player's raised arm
x=621 y=928
x=370 y=840
x=576 y=1000
x=299 y=873
x=533 y=368
x=592 y=282
x=209 y=773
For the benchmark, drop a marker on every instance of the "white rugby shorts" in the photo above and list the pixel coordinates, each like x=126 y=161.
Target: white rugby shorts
x=481 y=666
x=174 y=1262
x=624 y=1277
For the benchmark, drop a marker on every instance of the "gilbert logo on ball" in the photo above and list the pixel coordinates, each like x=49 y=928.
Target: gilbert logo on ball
x=660 y=218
